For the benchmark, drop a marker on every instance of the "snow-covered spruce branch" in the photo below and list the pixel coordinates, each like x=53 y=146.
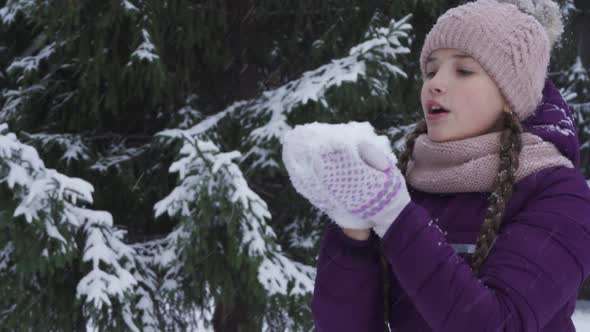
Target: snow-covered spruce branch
x=12 y=8
x=159 y=290
x=146 y=51
x=78 y=148
x=203 y=167
x=21 y=68
x=27 y=64
x=73 y=146
x=37 y=189
x=383 y=45
x=577 y=79
x=129 y=7
x=15 y=99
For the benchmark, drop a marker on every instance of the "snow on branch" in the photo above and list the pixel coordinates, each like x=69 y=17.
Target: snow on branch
x=5 y=258
x=31 y=63
x=577 y=72
x=381 y=49
x=48 y=198
x=117 y=154
x=146 y=50
x=72 y=145
x=13 y=99
x=202 y=167
x=112 y=260
x=13 y=7
x=128 y=6
x=577 y=89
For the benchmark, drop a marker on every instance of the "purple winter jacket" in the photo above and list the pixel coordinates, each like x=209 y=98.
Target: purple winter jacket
x=529 y=282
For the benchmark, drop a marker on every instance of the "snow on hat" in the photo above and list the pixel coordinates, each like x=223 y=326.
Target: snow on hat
x=511 y=40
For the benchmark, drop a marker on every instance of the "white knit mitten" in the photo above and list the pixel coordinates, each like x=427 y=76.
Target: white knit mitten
x=393 y=207
x=347 y=172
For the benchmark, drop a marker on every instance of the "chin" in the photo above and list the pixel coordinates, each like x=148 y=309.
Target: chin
x=437 y=137
x=441 y=138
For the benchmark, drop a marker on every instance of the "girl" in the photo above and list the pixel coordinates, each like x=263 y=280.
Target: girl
x=484 y=224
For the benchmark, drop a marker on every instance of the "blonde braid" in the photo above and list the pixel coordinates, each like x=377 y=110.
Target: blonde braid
x=511 y=144
x=406 y=154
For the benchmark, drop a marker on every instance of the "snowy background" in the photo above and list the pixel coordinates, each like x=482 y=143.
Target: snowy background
x=581 y=316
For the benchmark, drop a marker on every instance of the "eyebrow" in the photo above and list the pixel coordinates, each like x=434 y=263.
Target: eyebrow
x=458 y=56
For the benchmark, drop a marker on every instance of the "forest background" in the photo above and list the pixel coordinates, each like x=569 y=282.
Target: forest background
x=141 y=184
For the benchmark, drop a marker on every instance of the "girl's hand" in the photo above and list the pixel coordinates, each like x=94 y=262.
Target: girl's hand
x=358 y=186
x=364 y=184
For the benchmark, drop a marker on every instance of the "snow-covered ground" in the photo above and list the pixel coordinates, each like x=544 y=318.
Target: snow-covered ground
x=581 y=316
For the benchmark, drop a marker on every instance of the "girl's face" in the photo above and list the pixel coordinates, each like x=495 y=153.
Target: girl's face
x=457 y=83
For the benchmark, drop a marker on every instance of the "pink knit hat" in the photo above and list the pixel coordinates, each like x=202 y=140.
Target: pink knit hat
x=511 y=40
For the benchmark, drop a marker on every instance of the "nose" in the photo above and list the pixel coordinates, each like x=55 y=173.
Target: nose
x=436 y=84
x=435 y=90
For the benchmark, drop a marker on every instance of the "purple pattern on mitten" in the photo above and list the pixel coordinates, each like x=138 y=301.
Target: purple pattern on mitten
x=363 y=190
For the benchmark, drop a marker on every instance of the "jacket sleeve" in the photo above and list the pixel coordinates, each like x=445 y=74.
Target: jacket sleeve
x=348 y=293
x=537 y=264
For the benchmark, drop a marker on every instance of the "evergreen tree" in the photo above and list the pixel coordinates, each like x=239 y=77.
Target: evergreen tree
x=49 y=240
x=173 y=111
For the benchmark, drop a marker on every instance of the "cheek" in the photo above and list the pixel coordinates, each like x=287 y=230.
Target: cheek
x=423 y=97
x=484 y=93
x=478 y=100
x=471 y=96
x=478 y=109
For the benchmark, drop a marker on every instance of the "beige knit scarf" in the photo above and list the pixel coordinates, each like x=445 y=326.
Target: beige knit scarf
x=471 y=165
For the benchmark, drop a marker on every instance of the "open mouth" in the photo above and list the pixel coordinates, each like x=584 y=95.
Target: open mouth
x=437 y=111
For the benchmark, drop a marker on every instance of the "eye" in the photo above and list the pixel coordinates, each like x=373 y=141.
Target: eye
x=464 y=72
x=430 y=74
